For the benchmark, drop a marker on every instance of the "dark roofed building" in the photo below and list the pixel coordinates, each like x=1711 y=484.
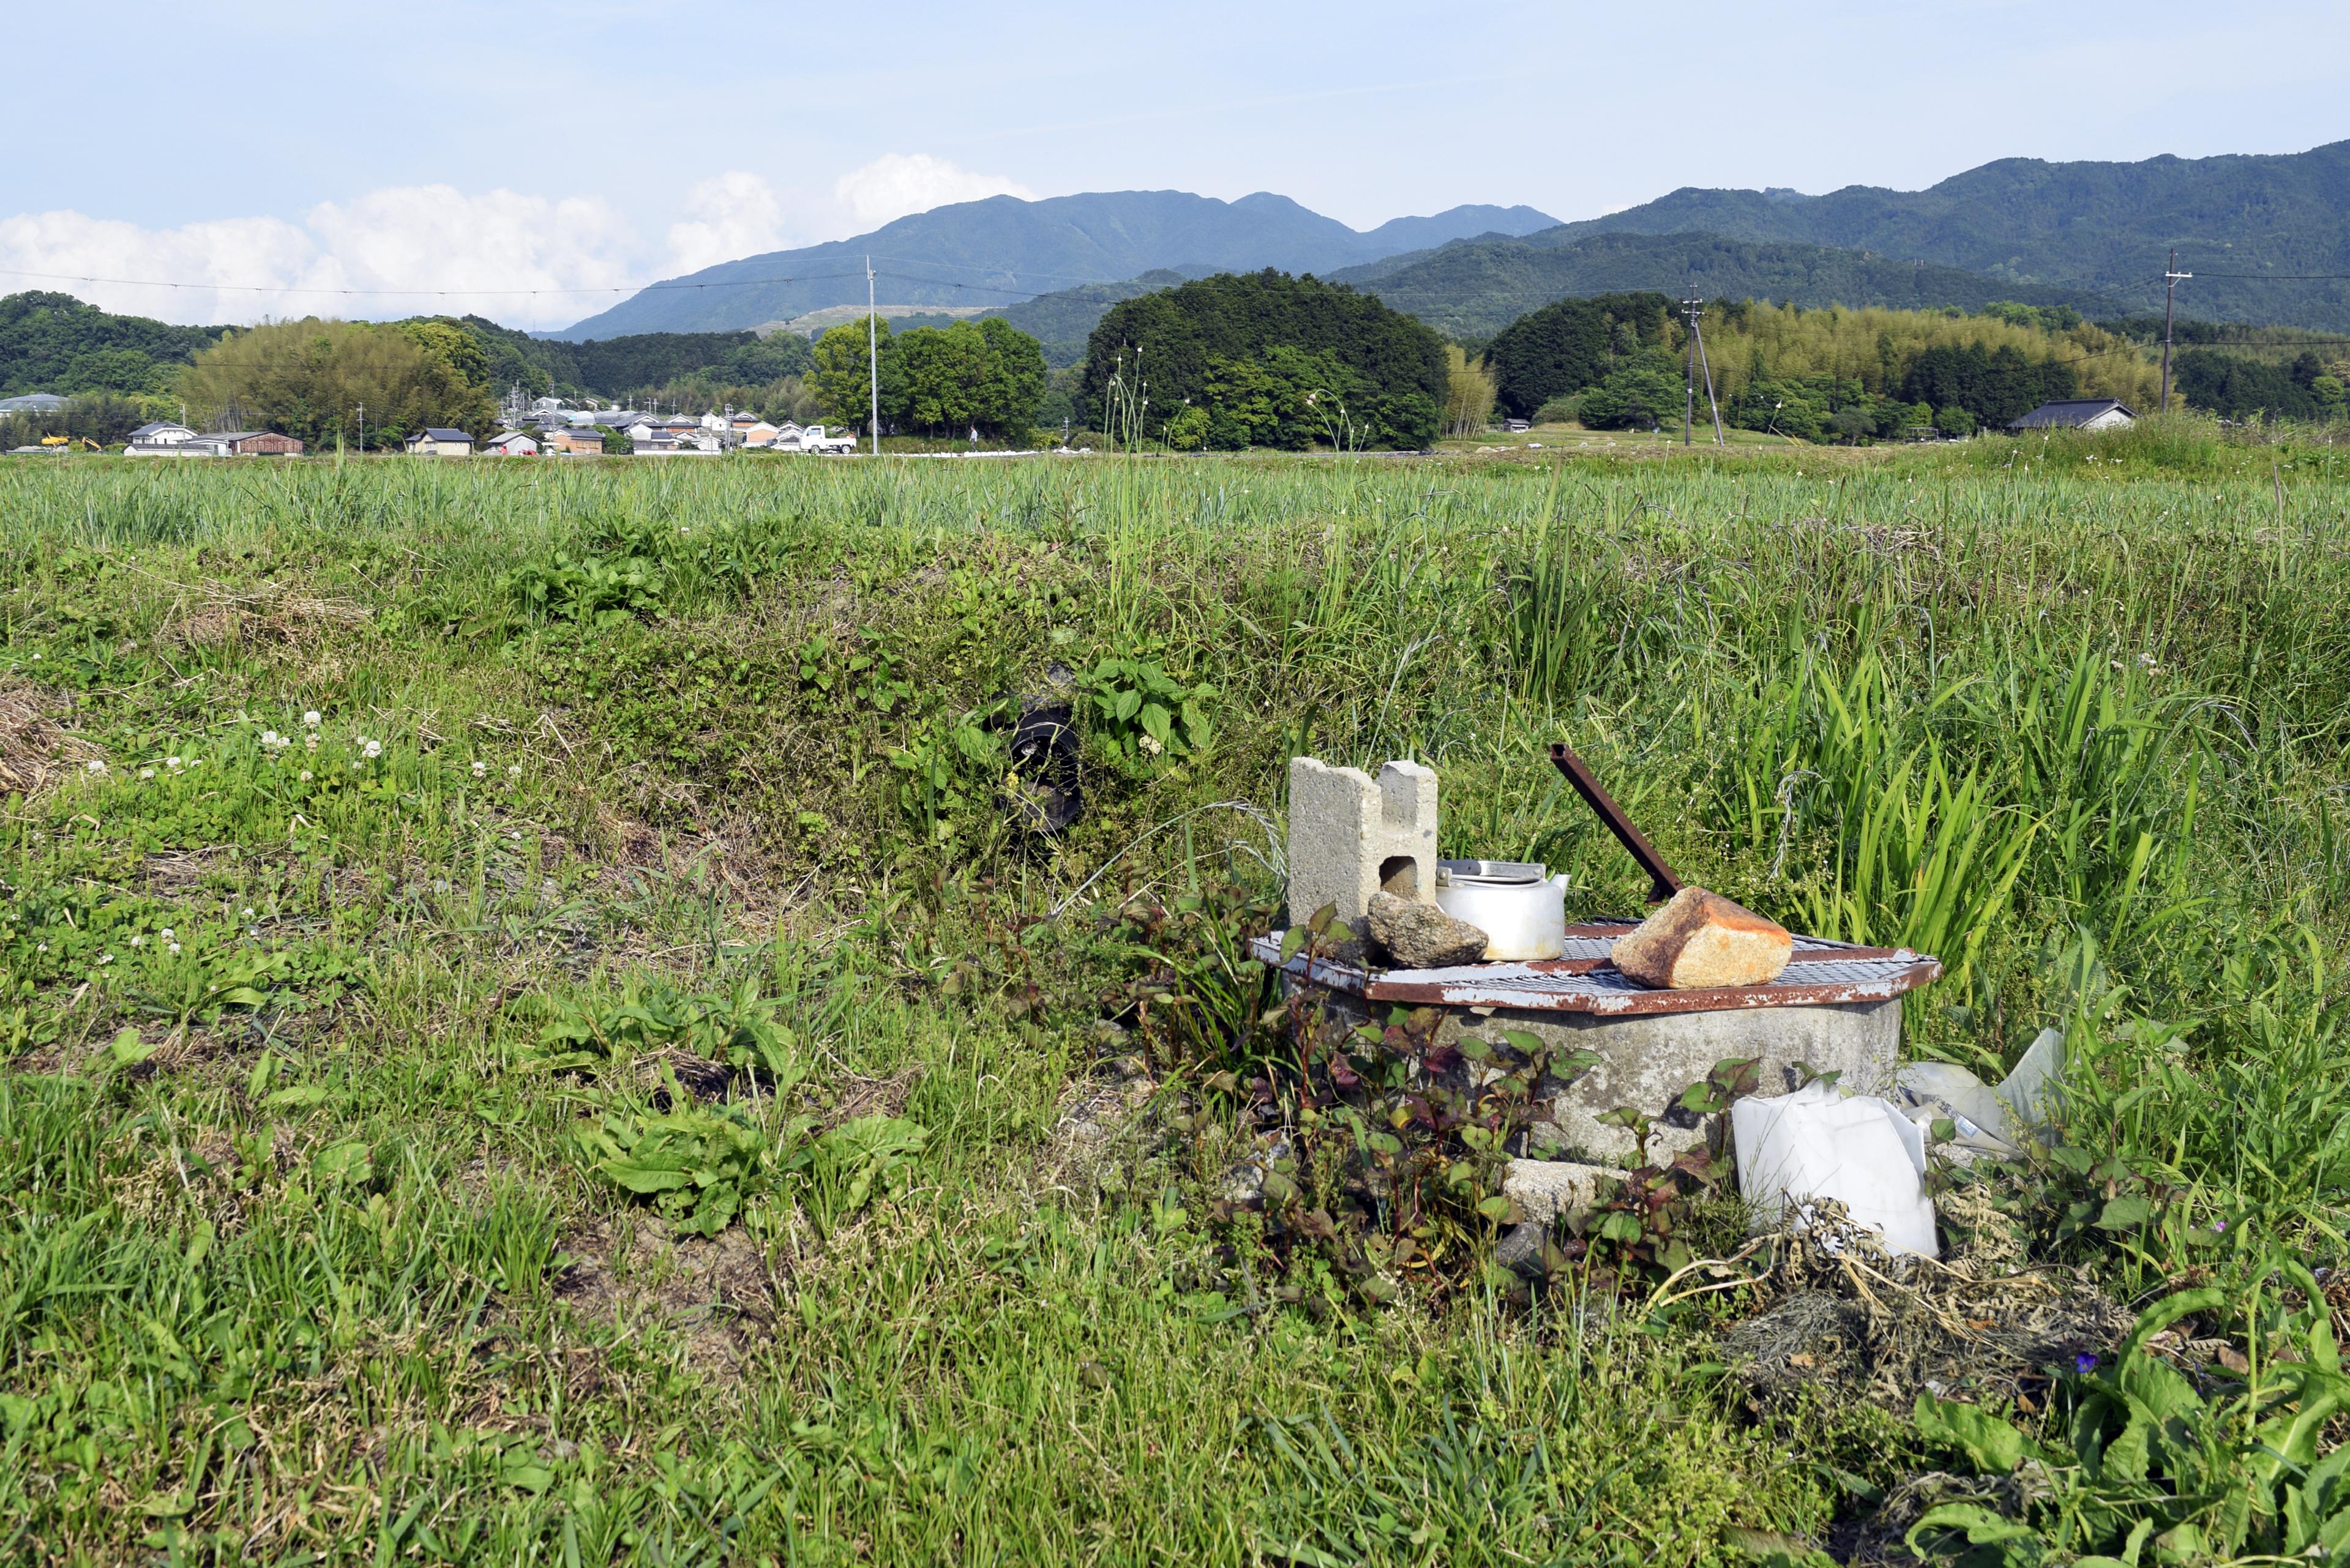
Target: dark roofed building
x=2077 y=414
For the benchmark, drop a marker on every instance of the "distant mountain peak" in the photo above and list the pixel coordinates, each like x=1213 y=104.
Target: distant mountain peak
x=973 y=253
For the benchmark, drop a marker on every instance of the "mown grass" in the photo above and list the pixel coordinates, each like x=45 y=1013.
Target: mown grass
x=328 y=1274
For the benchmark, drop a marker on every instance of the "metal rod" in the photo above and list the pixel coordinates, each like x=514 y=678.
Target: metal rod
x=1664 y=883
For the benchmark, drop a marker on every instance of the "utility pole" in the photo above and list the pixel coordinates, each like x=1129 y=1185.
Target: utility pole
x=873 y=354
x=2171 y=276
x=1697 y=340
x=362 y=429
x=1689 y=382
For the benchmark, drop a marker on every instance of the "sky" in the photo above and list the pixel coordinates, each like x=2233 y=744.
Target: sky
x=536 y=163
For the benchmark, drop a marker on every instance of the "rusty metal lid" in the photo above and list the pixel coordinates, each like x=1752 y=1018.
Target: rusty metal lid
x=1584 y=979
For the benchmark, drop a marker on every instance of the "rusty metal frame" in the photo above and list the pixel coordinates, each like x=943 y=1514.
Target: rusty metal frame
x=1823 y=973
x=1663 y=884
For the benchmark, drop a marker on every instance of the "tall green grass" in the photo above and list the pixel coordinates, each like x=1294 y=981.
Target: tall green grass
x=2075 y=727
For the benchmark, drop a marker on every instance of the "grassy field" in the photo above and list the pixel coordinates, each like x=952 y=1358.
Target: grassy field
x=531 y=1033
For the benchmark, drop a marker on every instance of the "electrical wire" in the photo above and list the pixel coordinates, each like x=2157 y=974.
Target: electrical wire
x=630 y=289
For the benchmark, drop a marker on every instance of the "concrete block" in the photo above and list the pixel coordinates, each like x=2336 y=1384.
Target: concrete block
x=1547 y=1189
x=1351 y=835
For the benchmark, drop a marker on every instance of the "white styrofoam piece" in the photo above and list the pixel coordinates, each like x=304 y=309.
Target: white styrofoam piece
x=1856 y=1149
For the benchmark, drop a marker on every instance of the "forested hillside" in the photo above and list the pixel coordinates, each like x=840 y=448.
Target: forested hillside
x=1475 y=287
x=2101 y=226
x=1618 y=361
x=55 y=343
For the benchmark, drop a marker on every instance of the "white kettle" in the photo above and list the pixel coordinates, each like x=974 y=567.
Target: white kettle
x=1520 y=907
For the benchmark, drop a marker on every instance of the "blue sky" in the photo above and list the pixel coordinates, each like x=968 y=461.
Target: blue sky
x=474 y=153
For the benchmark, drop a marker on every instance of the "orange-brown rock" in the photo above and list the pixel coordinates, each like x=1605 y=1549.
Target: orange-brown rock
x=1701 y=939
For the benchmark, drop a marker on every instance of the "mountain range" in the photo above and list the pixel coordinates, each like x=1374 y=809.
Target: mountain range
x=2095 y=236
x=974 y=253
x=2238 y=222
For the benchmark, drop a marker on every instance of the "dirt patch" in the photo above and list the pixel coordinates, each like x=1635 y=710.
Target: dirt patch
x=718 y=1292
x=36 y=750
x=885 y=1096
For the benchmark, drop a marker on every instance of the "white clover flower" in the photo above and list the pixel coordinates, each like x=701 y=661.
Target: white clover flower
x=248 y=911
x=514 y=771
x=310 y=719
x=106 y=958
x=96 y=766
x=374 y=748
x=170 y=761
x=253 y=932
x=146 y=772
x=139 y=941
x=42 y=948
x=175 y=948
x=37 y=659
x=481 y=769
x=310 y=741
x=268 y=737
x=306 y=775
x=167 y=933
x=355 y=767
x=196 y=762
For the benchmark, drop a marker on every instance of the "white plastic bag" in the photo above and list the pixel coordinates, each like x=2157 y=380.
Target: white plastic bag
x=1856 y=1149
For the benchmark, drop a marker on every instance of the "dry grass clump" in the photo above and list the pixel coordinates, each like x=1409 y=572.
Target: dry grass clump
x=269 y=614
x=35 y=752
x=1855 y=1326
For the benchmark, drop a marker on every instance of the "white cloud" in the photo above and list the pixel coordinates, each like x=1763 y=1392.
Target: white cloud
x=515 y=258
x=897 y=184
x=730 y=217
x=410 y=250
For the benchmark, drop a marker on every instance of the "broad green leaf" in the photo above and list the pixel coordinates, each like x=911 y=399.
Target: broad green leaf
x=1994 y=1446
x=300 y=1094
x=2125 y=1212
x=127 y=1050
x=351 y=1160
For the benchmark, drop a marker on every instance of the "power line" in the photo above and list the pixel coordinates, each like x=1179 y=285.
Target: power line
x=517 y=293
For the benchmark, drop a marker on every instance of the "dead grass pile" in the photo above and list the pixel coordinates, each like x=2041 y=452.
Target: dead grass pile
x=36 y=751
x=1848 y=1323
x=265 y=616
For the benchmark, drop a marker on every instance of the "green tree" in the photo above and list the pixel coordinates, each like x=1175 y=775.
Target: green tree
x=1644 y=393
x=1013 y=381
x=839 y=373
x=306 y=378
x=1155 y=354
x=1570 y=344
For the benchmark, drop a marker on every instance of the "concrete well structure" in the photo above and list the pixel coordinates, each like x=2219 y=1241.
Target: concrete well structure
x=1836 y=1009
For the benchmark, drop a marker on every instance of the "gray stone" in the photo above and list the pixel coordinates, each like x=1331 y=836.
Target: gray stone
x=1351 y=837
x=1521 y=1251
x=1546 y=1188
x=1421 y=936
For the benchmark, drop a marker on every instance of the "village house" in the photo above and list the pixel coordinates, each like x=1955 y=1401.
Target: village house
x=512 y=444
x=2076 y=414
x=753 y=432
x=573 y=440
x=159 y=438
x=242 y=443
x=435 y=441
